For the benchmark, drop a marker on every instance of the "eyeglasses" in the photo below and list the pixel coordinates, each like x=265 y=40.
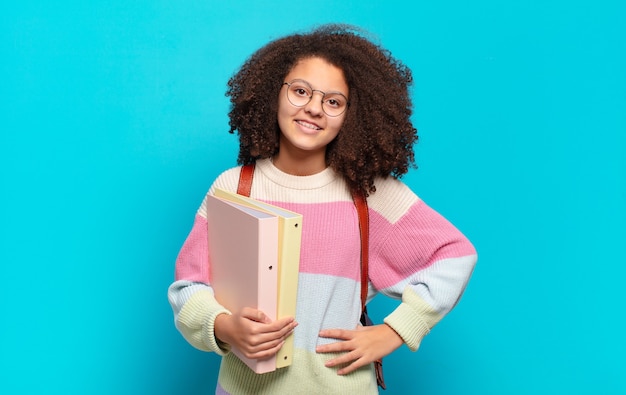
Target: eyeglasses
x=300 y=93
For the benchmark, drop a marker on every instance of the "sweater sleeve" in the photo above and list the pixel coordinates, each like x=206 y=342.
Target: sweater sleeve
x=421 y=258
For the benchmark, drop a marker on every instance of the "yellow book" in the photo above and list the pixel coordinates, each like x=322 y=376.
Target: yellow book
x=289 y=240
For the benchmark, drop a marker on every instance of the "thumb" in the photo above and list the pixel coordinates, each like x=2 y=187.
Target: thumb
x=258 y=316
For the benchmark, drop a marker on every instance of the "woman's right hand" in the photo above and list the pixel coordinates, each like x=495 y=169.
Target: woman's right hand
x=253 y=333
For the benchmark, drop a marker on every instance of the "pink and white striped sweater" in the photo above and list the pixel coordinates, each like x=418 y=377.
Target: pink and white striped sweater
x=416 y=256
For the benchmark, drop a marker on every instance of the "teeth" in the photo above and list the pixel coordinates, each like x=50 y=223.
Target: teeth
x=308 y=125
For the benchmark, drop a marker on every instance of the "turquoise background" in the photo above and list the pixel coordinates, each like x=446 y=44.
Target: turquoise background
x=113 y=125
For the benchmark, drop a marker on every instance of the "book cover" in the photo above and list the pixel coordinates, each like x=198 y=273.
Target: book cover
x=243 y=252
x=289 y=241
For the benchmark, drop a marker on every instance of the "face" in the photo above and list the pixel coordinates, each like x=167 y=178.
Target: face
x=307 y=130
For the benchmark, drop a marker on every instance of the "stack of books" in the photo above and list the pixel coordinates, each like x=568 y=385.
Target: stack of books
x=254 y=250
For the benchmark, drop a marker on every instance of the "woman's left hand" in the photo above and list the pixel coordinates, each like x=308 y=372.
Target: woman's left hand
x=361 y=346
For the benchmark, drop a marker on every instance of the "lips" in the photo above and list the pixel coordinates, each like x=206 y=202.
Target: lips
x=308 y=125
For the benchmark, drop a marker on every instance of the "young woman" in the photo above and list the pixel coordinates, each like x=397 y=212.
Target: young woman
x=322 y=115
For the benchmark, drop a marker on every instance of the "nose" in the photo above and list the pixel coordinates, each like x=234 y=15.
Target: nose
x=314 y=106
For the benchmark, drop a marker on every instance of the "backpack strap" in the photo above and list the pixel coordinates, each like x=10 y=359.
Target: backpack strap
x=245 y=180
x=245 y=186
x=361 y=209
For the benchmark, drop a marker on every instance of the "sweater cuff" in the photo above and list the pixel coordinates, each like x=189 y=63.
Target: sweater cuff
x=412 y=319
x=196 y=322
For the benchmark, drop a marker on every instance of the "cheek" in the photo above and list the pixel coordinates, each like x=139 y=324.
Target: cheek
x=285 y=109
x=283 y=115
x=336 y=124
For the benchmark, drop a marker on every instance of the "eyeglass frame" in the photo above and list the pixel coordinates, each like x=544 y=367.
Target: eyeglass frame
x=311 y=97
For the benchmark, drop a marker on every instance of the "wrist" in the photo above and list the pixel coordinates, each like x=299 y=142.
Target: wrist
x=220 y=330
x=395 y=339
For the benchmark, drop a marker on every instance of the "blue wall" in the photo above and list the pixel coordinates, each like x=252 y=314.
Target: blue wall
x=113 y=124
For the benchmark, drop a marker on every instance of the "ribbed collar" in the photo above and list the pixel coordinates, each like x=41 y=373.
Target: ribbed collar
x=281 y=178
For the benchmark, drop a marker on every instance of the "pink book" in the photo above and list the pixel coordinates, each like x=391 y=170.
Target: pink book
x=243 y=254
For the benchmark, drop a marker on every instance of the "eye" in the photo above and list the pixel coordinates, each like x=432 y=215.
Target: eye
x=332 y=102
x=301 y=91
x=335 y=101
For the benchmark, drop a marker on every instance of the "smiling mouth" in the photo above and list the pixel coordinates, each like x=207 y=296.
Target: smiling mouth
x=308 y=125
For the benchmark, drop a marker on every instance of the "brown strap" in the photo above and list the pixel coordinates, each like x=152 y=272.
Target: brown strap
x=245 y=180
x=364 y=228
x=361 y=209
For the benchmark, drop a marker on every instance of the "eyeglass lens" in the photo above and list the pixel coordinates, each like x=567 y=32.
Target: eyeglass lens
x=300 y=93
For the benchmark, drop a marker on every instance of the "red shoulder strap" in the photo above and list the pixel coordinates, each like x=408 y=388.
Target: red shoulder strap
x=360 y=201
x=245 y=185
x=245 y=180
x=361 y=209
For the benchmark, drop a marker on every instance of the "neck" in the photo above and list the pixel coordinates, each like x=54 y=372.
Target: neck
x=299 y=166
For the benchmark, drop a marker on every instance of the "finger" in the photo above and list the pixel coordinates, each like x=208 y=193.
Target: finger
x=283 y=325
x=262 y=339
x=345 y=358
x=340 y=334
x=350 y=361
x=335 y=347
x=255 y=315
x=276 y=329
x=261 y=351
x=351 y=367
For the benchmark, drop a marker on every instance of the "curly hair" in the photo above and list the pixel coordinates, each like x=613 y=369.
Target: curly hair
x=377 y=136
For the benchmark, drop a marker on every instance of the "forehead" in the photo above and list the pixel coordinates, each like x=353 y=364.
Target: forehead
x=320 y=74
